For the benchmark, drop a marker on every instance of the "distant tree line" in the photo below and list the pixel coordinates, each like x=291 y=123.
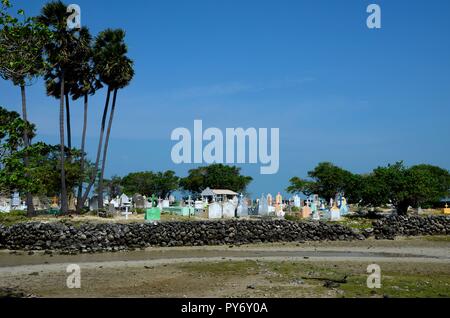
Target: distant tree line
x=417 y=186
x=162 y=184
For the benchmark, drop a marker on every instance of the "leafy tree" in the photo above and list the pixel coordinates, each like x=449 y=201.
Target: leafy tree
x=298 y=185
x=41 y=174
x=215 y=176
x=116 y=71
x=21 y=45
x=432 y=183
x=404 y=187
x=327 y=181
x=113 y=187
x=147 y=183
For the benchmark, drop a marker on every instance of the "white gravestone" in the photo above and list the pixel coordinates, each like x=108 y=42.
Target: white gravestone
x=242 y=209
x=199 y=205
x=263 y=208
x=297 y=201
x=215 y=211
x=228 y=210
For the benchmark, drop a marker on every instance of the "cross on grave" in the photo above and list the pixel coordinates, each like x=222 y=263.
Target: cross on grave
x=126 y=213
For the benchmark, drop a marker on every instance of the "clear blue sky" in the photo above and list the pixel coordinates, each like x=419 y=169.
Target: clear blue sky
x=338 y=91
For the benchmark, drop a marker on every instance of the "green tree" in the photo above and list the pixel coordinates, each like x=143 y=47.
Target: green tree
x=41 y=174
x=404 y=187
x=215 y=176
x=148 y=183
x=327 y=181
x=298 y=185
x=21 y=45
x=113 y=187
x=116 y=71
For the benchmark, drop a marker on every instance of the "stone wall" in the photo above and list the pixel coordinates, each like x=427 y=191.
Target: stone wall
x=114 y=237
x=88 y=237
x=392 y=226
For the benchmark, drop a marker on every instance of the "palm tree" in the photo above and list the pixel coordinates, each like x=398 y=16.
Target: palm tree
x=60 y=55
x=87 y=84
x=116 y=71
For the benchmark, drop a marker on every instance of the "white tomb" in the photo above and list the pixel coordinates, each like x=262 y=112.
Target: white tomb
x=228 y=210
x=215 y=211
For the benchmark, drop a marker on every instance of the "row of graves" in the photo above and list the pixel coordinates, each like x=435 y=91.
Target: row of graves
x=316 y=208
x=17 y=203
x=226 y=204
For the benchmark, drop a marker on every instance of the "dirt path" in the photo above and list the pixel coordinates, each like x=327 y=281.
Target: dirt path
x=226 y=271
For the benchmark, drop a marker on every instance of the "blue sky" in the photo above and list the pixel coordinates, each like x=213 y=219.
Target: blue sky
x=338 y=91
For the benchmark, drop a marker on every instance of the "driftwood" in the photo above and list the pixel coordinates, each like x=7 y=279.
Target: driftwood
x=338 y=281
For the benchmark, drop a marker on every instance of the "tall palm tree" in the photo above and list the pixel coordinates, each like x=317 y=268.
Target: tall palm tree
x=60 y=53
x=86 y=84
x=115 y=70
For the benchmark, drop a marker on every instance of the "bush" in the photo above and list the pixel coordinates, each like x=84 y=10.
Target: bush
x=139 y=210
x=13 y=217
x=292 y=217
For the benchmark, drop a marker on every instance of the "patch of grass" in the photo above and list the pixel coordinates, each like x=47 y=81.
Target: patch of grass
x=225 y=268
x=13 y=217
x=307 y=279
x=356 y=222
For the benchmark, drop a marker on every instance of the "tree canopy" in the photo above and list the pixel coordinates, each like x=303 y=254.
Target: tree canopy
x=161 y=184
x=215 y=176
x=394 y=184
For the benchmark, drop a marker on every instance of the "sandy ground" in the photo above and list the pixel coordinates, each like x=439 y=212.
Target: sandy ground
x=417 y=267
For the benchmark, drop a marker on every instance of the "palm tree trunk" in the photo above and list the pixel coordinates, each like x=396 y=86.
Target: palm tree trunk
x=69 y=130
x=105 y=150
x=99 y=149
x=83 y=144
x=27 y=142
x=64 y=206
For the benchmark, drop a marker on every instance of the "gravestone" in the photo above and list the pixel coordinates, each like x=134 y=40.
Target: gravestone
x=278 y=203
x=343 y=207
x=138 y=201
x=165 y=204
x=93 y=203
x=269 y=199
x=315 y=216
x=335 y=213
x=242 y=209
x=263 y=207
x=199 y=205
x=297 y=201
x=215 y=211
x=111 y=209
x=306 y=211
x=228 y=210
x=124 y=201
x=115 y=202
x=15 y=202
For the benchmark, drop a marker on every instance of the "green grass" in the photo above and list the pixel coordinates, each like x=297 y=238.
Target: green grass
x=13 y=217
x=356 y=222
x=277 y=279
